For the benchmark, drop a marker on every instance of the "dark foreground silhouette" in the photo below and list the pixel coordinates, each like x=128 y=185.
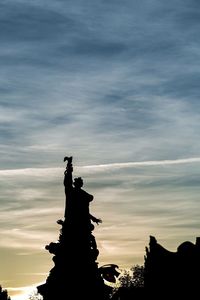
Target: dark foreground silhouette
x=4 y=294
x=76 y=274
x=173 y=275
x=165 y=274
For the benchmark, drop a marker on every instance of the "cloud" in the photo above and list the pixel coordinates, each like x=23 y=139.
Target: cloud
x=50 y=173
x=146 y=163
x=115 y=85
x=31 y=195
x=22 y=293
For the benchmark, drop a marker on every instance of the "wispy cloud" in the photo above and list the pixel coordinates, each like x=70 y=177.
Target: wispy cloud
x=116 y=85
x=146 y=163
x=22 y=293
x=51 y=172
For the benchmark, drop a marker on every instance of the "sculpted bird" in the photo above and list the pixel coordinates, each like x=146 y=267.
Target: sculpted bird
x=68 y=158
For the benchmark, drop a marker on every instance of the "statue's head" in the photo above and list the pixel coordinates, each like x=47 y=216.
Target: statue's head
x=78 y=182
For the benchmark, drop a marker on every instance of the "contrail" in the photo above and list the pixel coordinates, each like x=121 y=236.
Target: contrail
x=52 y=171
x=145 y=163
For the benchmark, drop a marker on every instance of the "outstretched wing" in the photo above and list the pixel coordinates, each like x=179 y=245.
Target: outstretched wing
x=109 y=272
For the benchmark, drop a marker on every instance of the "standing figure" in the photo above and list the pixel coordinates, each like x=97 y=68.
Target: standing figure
x=77 y=200
x=75 y=270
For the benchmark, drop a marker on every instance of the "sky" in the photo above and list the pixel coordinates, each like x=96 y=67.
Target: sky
x=116 y=85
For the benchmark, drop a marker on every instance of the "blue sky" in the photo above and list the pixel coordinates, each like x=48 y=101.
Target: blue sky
x=112 y=83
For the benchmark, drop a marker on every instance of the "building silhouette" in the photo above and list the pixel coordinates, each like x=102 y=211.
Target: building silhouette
x=166 y=275
x=172 y=275
x=76 y=274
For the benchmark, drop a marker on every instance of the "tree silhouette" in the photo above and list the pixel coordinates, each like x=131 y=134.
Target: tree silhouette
x=4 y=294
x=131 y=284
x=138 y=276
x=35 y=296
x=133 y=278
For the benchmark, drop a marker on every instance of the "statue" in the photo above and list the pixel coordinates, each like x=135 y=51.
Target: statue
x=77 y=200
x=75 y=270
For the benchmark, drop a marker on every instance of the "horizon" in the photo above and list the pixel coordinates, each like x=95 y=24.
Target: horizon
x=115 y=85
x=125 y=231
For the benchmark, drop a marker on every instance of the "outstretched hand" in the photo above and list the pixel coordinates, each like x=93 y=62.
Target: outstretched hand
x=95 y=220
x=98 y=221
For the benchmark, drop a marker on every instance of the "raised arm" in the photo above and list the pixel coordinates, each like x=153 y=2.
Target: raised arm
x=68 y=173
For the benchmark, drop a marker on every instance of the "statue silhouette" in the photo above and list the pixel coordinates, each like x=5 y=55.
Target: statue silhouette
x=75 y=274
x=77 y=201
